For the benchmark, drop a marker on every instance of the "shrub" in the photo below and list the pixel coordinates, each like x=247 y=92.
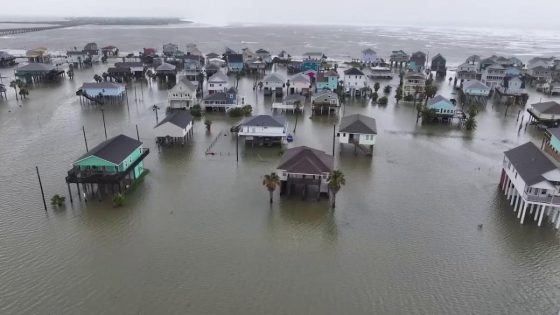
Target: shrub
x=387 y=89
x=409 y=98
x=196 y=111
x=428 y=115
x=118 y=200
x=58 y=200
x=382 y=100
x=374 y=96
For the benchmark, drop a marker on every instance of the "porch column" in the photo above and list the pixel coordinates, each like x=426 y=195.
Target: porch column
x=537 y=213
x=557 y=218
x=506 y=182
x=540 y=217
x=522 y=204
x=532 y=208
x=523 y=214
x=517 y=197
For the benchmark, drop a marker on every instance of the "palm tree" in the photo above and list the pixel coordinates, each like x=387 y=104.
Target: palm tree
x=13 y=84
x=288 y=87
x=336 y=181
x=398 y=94
x=271 y=181
x=431 y=91
x=376 y=86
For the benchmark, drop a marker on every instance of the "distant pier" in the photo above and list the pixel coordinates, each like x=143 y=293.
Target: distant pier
x=13 y=31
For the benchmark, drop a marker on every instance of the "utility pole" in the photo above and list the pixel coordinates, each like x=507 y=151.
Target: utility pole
x=85 y=139
x=333 y=138
x=104 y=126
x=41 y=186
x=137 y=133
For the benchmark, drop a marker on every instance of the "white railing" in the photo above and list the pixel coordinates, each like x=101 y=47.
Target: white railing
x=554 y=200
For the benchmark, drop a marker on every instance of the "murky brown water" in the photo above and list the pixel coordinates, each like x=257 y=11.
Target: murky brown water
x=199 y=237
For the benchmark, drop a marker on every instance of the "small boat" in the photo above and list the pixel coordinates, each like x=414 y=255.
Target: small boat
x=290 y=138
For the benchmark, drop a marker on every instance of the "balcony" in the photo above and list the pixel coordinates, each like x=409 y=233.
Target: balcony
x=547 y=199
x=91 y=176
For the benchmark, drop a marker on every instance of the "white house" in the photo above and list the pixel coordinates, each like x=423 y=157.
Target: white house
x=359 y=130
x=369 y=56
x=182 y=95
x=467 y=71
x=221 y=100
x=273 y=82
x=264 y=128
x=217 y=83
x=299 y=83
x=493 y=75
x=414 y=82
x=354 y=79
x=532 y=182
x=293 y=102
x=177 y=125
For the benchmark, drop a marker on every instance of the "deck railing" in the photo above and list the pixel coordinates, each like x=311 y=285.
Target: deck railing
x=553 y=200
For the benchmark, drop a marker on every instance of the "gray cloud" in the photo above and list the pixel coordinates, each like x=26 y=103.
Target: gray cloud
x=500 y=13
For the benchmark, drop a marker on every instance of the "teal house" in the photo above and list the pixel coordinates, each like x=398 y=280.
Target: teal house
x=117 y=161
x=442 y=106
x=327 y=80
x=552 y=142
x=312 y=64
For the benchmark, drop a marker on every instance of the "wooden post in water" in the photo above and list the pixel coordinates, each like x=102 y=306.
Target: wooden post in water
x=104 y=126
x=137 y=133
x=237 y=147
x=41 y=186
x=85 y=139
x=333 y=138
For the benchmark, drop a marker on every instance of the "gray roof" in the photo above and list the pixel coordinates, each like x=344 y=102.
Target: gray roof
x=294 y=98
x=36 y=67
x=212 y=55
x=358 y=124
x=368 y=51
x=353 y=71
x=550 y=107
x=179 y=118
x=90 y=46
x=300 y=77
x=114 y=150
x=273 y=77
x=305 y=160
x=530 y=162
x=265 y=121
x=166 y=67
x=102 y=85
x=188 y=84
x=218 y=77
x=220 y=96
x=262 y=51
x=474 y=84
x=131 y=64
x=75 y=52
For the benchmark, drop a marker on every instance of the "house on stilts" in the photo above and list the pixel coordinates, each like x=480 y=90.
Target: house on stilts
x=110 y=167
x=304 y=170
x=175 y=128
x=359 y=130
x=531 y=181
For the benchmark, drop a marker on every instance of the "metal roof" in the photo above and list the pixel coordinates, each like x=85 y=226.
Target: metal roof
x=219 y=76
x=353 y=71
x=358 y=124
x=273 y=77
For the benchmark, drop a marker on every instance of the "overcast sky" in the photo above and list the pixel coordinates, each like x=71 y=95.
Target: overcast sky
x=485 y=13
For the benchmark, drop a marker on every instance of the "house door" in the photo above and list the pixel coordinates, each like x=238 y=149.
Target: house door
x=351 y=137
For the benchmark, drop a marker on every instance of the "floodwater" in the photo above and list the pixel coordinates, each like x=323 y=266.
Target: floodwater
x=198 y=235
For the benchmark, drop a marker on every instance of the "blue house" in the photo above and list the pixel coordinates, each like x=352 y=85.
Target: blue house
x=442 y=106
x=103 y=89
x=235 y=62
x=327 y=80
x=312 y=64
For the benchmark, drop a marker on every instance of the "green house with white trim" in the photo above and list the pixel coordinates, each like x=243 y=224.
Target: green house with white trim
x=117 y=161
x=442 y=106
